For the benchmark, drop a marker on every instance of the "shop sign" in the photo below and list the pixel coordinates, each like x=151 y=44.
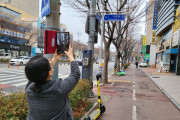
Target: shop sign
x=144 y=40
x=175 y=38
x=14 y=47
x=153 y=42
x=16 y=34
x=155 y=15
x=144 y=49
x=147 y=55
x=171 y=51
x=177 y=20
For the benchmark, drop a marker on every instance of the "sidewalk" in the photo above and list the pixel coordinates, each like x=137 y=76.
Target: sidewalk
x=118 y=93
x=169 y=83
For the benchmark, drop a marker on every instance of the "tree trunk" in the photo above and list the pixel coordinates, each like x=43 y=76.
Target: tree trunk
x=106 y=60
x=118 y=60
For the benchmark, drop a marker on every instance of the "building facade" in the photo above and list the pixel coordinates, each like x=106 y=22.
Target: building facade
x=14 y=33
x=27 y=6
x=166 y=50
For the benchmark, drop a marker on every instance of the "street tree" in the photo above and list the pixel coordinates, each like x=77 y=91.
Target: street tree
x=114 y=31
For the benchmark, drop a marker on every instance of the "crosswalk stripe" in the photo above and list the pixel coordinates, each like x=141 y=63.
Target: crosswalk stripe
x=17 y=77
x=14 y=81
x=12 y=78
x=20 y=84
x=5 y=76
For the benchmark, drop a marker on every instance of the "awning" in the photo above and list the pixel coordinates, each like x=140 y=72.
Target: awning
x=171 y=51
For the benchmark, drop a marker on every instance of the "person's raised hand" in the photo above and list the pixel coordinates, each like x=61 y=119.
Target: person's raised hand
x=69 y=53
x=57 y=56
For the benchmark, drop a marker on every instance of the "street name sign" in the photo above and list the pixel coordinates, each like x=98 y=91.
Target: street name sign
x=118 y=17
x=45 y=8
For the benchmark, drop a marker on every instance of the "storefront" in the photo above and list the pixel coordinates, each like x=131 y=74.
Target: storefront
x=15 y=49
x=170 y=58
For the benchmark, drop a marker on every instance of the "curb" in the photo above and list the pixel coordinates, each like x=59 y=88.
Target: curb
x=167 y=94
x=94 y=106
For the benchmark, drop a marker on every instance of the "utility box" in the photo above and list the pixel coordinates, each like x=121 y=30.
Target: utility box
x=86 y=64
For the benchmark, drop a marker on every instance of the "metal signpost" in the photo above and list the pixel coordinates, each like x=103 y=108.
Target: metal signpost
x=45 y=8
x=52 y=23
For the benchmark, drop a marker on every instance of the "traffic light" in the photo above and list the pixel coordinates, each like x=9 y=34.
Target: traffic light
x=92 y=27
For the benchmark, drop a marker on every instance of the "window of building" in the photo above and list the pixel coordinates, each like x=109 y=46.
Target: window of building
x=167 y=35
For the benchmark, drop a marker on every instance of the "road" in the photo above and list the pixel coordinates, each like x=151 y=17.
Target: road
x=14 y=79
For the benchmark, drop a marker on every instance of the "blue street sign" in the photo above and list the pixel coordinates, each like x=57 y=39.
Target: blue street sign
x=98 y=17
x=120 y=17
x=45 y=8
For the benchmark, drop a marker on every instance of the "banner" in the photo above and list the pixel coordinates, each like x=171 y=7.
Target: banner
x=155 y=15
x=177 y=20
x=153 y=42
x=144 y=49
x=144 y=40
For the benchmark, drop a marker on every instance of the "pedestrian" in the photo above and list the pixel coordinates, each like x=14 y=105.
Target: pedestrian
x=47 y=98
x=136 y=64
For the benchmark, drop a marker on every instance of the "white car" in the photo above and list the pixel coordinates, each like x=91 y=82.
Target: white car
x=5 y=56
x=143 y=64
x=20 y=60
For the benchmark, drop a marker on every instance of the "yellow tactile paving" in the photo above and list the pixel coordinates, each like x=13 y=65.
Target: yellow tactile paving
x=119 y=80
x=162 y=73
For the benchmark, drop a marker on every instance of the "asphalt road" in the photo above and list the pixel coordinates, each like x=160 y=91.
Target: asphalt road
x=15 y=79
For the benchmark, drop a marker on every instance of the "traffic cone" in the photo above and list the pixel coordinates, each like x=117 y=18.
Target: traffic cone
x=8 y=65
x=17 y=65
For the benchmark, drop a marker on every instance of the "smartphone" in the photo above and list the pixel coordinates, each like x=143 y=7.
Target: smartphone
x=63 y=41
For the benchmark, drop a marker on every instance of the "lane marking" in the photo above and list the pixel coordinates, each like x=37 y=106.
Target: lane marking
x=134 y=94
x=134 y=116
x=119 y=80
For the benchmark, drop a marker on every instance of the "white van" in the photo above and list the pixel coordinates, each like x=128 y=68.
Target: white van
x=5 y=55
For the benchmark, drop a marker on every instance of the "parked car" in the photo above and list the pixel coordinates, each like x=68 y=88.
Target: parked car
x=5 y=56
x=143 y=64
x=79 y=62
x=20 y=60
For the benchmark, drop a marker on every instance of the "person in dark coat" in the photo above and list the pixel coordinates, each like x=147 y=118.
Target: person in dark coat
x=136 y=64
x=47 y=98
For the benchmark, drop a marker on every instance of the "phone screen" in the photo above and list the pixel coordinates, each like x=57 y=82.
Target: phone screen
x=62 y=42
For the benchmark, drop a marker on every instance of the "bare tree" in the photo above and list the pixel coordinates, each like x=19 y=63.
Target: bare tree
x=115 y=31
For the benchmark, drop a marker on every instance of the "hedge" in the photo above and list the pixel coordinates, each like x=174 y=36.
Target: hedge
x=12 y=107
x=4 y=60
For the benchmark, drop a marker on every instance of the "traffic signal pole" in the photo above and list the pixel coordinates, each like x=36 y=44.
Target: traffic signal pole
x=91 y=38
x=52 y=23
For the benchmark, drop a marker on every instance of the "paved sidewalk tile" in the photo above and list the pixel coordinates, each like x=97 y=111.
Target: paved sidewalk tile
x=169 y=83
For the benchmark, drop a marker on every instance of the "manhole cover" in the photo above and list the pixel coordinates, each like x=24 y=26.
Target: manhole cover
x=155 y=77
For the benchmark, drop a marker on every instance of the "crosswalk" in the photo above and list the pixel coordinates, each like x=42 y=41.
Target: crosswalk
x=16 y=77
